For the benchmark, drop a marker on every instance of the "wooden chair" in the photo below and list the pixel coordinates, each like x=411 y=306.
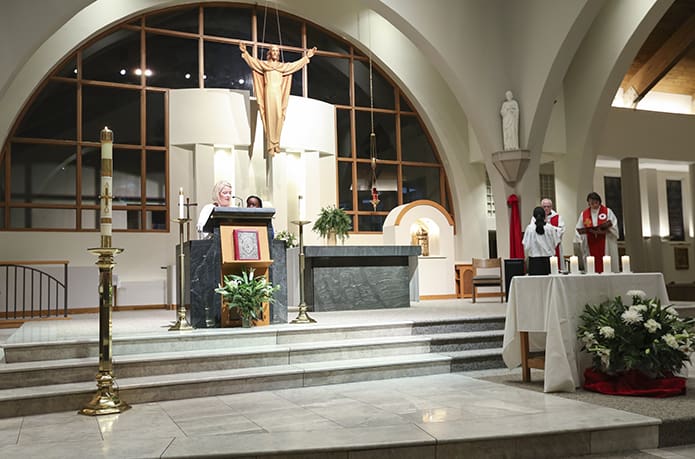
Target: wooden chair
x=490 y=275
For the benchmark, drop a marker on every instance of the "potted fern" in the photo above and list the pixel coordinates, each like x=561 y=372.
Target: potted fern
x=333 y=222
x=246 y=293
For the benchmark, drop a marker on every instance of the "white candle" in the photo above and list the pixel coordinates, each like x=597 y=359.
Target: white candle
x=105 y=220
x=607 y=264
x=182 y=207
x=553 y=265
x=590 y=265
x=302 y=208
x=574 y=264
x=625 y=260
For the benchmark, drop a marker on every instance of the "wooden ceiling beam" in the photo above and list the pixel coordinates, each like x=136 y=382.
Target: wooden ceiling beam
x=660 y=63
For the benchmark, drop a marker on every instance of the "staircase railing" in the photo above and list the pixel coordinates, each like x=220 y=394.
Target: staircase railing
x=27 y=292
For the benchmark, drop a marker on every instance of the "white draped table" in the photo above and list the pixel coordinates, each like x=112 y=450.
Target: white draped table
x=548 y=309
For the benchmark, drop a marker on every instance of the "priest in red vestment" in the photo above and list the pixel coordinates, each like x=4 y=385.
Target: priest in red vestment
x=598 y=228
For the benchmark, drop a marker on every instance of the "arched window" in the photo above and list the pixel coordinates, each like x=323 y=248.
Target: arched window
x=50 y=166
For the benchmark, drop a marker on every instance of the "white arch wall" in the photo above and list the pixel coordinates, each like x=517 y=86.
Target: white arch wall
x=436 y=277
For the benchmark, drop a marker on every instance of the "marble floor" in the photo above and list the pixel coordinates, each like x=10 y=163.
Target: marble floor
x=423 y=416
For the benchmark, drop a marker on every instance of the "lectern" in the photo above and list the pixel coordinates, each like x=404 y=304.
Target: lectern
x=241 y=239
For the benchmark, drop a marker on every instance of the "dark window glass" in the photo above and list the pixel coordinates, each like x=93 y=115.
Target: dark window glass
x=156 y=220
x=386 y=186
x=344 y=134
x=290 y=33
x=381 y=88
x=415 y=145
x=170 y=59
x=117 y=108
x=614 y=201
x=2 y=218
x=43 y=174
x=385 y=130
x=227 y=22
x=371 y=222
x=91 y=175
x=405 y=106
x=42 y=218
x=127 y=219
x=53 y=115
x=329 y=80
x=127 y=171
x=114 y=58
x=2 y=181
x=182 y=20
x=156 y=178
x=155 y=118
x=68 y=69
x=224 y=67
x=324 y=41
x=674 y=199
x=421 y=183
x=345 y=185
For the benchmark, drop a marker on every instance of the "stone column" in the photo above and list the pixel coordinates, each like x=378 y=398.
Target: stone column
x=632 y=213
x=653 y=252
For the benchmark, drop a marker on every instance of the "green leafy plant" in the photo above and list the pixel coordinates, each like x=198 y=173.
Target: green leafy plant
x=247 y=293
x=333 y=219
x=288 y=238
x=644 y=336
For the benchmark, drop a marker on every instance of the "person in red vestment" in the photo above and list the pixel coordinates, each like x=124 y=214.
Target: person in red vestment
x=597 y=227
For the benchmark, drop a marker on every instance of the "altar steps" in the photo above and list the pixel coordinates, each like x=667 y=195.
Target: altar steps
x=41 y=379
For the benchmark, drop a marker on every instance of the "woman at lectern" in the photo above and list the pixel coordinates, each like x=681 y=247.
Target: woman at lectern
x=221 y=197
x=540 y=240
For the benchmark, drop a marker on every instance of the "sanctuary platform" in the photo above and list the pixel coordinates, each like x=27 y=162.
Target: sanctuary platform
x=405 y=382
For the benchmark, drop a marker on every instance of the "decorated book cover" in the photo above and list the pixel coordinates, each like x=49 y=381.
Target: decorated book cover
x=246 y=245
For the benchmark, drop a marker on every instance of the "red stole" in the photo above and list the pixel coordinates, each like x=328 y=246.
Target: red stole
x=555 y=221
x=597 y=242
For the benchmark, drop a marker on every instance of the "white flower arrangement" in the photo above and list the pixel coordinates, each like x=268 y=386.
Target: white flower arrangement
x=643 y=336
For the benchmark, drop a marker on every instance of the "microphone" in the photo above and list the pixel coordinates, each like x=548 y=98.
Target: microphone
x=241 y=201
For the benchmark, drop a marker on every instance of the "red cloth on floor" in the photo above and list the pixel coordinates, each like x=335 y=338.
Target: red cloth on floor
x=634 y=383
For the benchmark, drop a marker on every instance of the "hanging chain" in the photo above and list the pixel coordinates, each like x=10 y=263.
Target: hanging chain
x=372 y=135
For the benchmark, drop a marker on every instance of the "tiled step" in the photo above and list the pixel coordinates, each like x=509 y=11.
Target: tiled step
x=469 y=324
x=199 y=340
x=62 y=397
x=478 y=359
x=464 y=341
x=161 y=363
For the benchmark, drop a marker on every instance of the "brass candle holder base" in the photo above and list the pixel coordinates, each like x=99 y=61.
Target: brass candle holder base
x=181 y=323
x=105 y=401
x=302 y=317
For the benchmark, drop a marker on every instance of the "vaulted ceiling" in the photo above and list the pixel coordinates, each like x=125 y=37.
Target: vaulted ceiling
x=666 y=61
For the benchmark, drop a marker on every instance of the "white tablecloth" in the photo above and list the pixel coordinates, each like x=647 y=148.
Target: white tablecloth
x=548 y=307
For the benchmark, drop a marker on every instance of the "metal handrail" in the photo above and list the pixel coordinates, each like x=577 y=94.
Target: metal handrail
x=21 y=294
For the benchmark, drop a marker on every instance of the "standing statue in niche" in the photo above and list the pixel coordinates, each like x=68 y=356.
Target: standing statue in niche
x=510 y=122
x=272 y=81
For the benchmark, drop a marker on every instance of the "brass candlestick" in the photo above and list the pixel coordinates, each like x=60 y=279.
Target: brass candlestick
x=302 y=317
x=182 y=323
x=106 y=400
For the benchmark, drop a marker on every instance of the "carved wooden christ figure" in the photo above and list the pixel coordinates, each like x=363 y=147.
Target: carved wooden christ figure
x=272 y=81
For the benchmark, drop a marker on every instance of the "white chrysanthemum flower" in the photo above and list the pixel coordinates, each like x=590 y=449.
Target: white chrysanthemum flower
x=670 y=340
x=637 y=293
x=607 y=332
x=652 y=325
x=588 y=339
x=631 y=316
x=639 y=307
x=671 y=311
